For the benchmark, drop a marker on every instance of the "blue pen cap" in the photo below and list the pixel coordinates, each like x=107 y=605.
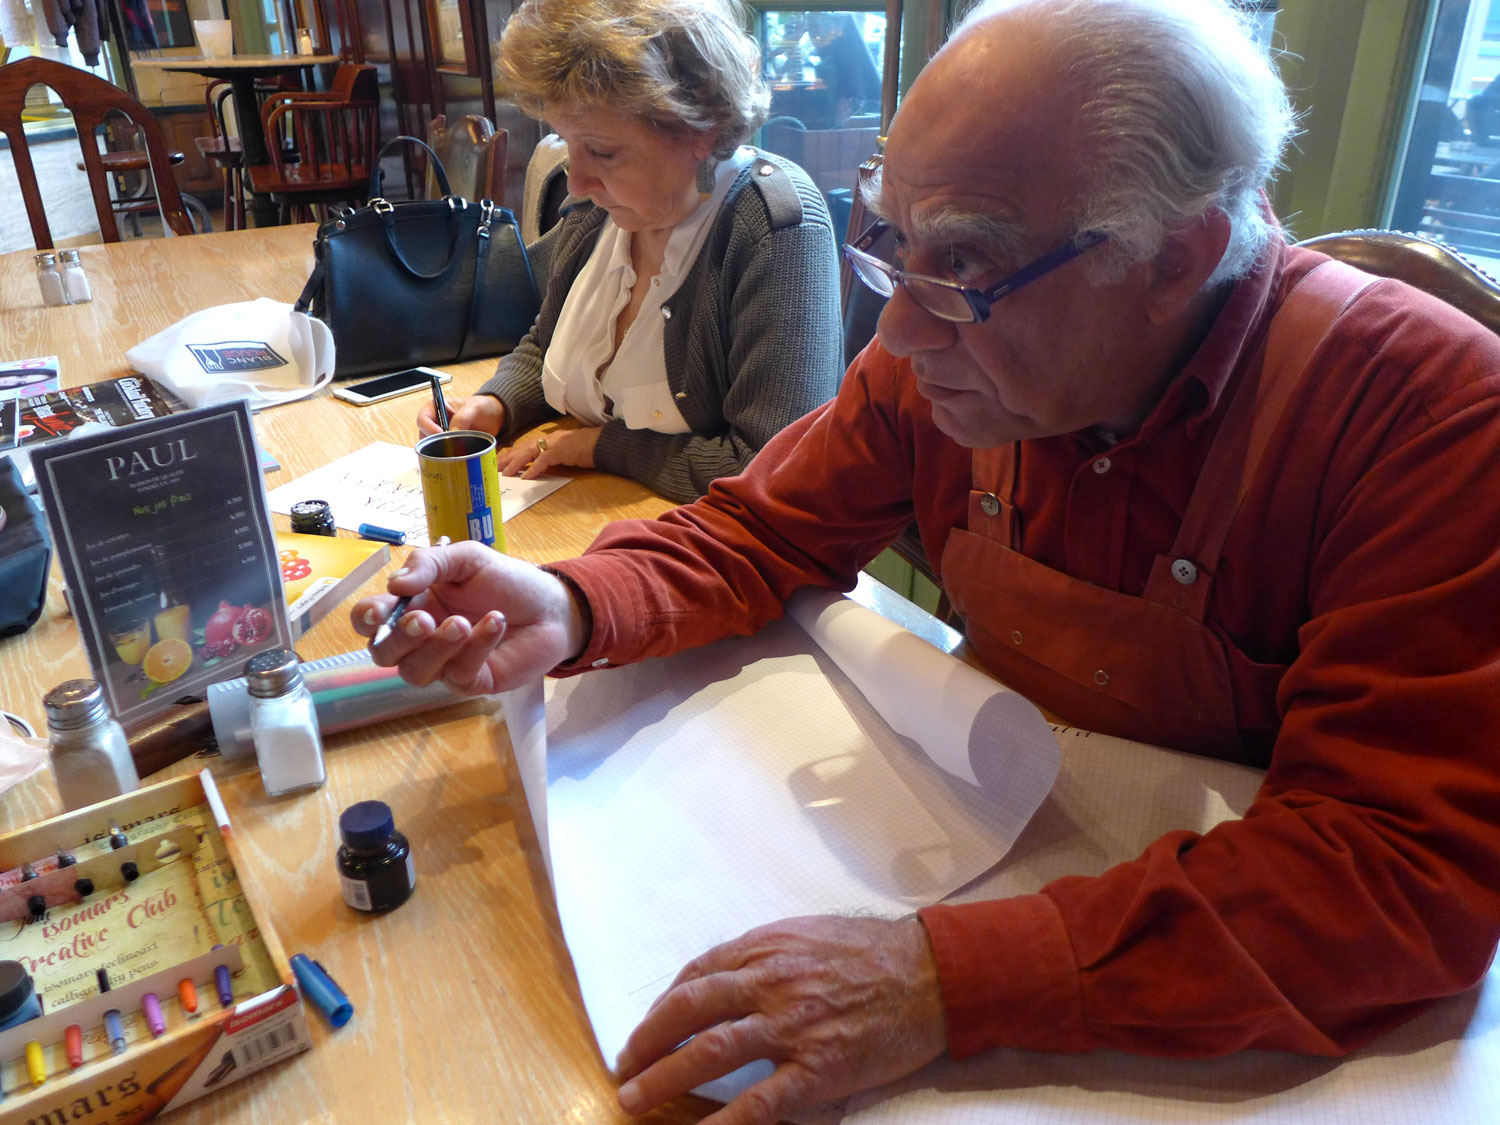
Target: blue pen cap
x=18 y=998
x=321 y=991
x=367 y=824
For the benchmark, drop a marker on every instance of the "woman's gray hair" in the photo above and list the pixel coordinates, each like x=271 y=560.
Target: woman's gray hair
x=684 y=65
x=1182 y=113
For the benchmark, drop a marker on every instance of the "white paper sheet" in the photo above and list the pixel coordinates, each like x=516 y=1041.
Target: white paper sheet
x=1112 y=798
x=692 y=798
x=380 y=484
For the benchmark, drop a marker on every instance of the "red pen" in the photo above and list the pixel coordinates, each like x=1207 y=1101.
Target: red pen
x=73 y=1042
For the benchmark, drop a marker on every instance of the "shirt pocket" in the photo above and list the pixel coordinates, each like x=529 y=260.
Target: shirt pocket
x=650 y=407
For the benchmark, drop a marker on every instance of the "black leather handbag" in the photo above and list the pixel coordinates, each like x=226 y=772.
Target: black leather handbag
x=422 y=282
x=25 y=554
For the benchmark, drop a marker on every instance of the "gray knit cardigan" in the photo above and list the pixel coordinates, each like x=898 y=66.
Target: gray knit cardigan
x=752 y=336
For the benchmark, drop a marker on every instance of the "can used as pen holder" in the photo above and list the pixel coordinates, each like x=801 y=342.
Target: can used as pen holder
x=461 y=487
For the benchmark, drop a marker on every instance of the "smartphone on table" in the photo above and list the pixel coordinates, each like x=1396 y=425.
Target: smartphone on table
x=383 y=387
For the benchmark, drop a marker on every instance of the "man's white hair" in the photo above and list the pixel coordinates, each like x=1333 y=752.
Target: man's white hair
x=1182 y=113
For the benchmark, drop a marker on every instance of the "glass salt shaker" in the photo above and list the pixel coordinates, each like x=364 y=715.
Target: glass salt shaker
x=90 y=757
x=75 y=280
x=50 y=280
x=283 y=723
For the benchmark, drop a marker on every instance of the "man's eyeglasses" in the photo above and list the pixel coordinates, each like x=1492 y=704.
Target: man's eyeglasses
x=962 y=304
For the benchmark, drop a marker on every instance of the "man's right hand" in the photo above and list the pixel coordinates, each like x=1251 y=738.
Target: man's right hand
x=479 y=620
x=476 y=412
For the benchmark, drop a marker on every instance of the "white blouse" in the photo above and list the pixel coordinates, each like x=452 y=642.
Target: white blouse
x=582 y=373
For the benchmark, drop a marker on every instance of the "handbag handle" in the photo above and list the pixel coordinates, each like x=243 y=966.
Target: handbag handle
x=387 y=213
x=377 y=172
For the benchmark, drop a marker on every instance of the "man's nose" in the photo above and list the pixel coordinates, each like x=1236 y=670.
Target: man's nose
x=905 y=328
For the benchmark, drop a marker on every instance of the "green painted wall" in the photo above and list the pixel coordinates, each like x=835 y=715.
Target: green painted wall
x=1350 y=67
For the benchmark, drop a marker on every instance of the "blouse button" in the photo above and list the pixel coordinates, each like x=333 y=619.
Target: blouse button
x=1184 y=571
x=1015 y=635
x=600 y=663
x=666 y=313
x=1101 y=465
x=656 y=414
x=989 y=504
x=1101 y=677
x=680 y=395
x=766 y=169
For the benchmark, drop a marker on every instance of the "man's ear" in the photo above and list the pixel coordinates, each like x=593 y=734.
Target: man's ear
x=1186 y=260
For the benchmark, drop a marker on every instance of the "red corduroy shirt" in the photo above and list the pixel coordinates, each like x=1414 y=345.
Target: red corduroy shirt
x=1365 y=879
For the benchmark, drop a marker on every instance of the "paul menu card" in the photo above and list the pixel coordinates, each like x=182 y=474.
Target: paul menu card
x=166 y=544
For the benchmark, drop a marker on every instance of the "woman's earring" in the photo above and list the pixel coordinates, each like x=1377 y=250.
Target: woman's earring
x=706 y=177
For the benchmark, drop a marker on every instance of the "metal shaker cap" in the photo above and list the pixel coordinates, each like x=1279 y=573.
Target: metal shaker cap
x=68 y=257
x=73 y=704
x=273 y=672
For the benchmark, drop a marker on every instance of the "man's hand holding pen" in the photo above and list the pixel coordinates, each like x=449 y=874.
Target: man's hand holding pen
x=465 y=600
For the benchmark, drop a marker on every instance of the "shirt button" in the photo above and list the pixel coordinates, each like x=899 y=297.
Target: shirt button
x=989 y=504
x=1101 y=677
x=680 y=395
x=666 y=313
x=1184 y=571
x=656 y=414
x=600 y=663
x=1101 y=465
x=1015 y=635
x=766 y=169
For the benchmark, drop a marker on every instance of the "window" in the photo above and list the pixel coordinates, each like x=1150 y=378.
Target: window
x=824 y=70
x=1449 y=178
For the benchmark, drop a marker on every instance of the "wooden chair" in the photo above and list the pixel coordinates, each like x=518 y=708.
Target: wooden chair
x=223 y=150
x=1423 y=262
x=335 y=135
x=90 y=100
x=473 y=153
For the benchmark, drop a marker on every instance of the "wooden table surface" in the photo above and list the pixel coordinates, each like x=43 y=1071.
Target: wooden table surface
x=466 y=1007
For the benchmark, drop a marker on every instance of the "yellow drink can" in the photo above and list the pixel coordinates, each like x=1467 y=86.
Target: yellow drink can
x=461 y=487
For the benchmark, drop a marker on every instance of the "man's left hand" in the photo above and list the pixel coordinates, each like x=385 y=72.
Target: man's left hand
x=838 y=1004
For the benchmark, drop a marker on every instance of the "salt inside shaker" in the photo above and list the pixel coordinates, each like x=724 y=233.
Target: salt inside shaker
x=283 y=723
x=91 y=759
x=50 y=280
x=76 y=285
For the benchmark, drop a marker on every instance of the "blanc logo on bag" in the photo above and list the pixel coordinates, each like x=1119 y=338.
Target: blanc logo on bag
x=236 y=355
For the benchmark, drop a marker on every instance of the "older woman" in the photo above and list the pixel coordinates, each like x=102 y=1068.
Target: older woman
x=691 y=310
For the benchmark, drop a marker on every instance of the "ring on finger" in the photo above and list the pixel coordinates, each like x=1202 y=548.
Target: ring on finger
x=541 y=445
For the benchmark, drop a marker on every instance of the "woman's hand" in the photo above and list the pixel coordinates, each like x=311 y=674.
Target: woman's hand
x=476 y=412
x=561 y=447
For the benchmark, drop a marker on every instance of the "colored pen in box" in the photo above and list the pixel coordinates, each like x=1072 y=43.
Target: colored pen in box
x=114 y=1027
x=151 y=1006
x=224 y=985
x=73 y=1044
x=187 y=995
x=36 y=1063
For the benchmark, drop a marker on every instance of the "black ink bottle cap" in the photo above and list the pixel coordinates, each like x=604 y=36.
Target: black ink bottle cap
x=367 y=824
x=15 y=988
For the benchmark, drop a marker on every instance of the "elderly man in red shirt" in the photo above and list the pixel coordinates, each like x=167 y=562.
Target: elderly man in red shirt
x=1187 y=484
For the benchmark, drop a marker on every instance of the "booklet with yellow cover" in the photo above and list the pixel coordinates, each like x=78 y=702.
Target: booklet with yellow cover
x=320 y=571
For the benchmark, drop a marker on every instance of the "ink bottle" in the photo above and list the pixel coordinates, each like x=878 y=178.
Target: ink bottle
x=76 y=285
x=50 y=280
x=283 y=723
x=91 y=759
x=313 y=517
x=18 y=999
x=376 y=872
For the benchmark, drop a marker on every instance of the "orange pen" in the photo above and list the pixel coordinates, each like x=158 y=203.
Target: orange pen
x=187 y=993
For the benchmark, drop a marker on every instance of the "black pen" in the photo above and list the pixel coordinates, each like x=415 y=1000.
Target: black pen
x=439 y=407
x=388 y=626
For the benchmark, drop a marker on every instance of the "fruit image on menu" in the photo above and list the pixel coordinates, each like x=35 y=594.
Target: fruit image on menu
x=166 y=544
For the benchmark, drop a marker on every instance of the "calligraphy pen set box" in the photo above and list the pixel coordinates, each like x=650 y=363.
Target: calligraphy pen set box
x=148 y=888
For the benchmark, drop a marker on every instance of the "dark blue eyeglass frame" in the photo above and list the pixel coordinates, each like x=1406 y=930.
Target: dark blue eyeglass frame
x=949 y=300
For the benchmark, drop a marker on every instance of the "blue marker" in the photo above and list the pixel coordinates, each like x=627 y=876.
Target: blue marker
x=114 y=1027
x=321 y=990
x=383 y=534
